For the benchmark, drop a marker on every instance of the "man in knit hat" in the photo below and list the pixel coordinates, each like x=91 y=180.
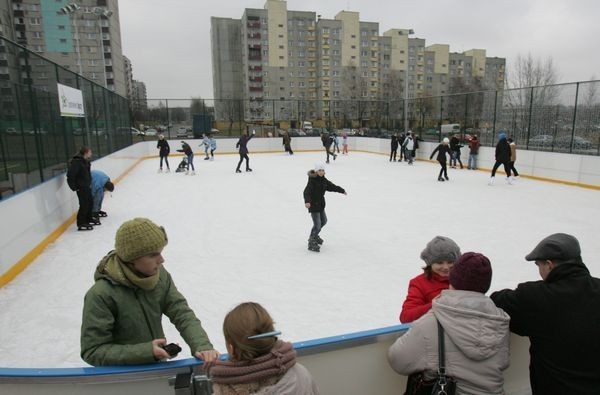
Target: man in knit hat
x=476 y=333
x=561 y=316
x=123 y=310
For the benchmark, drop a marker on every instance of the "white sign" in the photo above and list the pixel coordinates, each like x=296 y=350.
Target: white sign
x=70 y=101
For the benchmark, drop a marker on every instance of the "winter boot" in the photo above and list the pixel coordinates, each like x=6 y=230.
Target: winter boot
x=491 y=181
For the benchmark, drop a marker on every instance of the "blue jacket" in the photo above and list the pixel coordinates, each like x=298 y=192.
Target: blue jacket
x=213 y=144
x=99 y=179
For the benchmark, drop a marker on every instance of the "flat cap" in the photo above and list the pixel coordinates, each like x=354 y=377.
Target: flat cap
x=559 y=246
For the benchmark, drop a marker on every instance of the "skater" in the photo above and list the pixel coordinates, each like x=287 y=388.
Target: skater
x=409 y=146
x=183 y=166
x=336 y=143
x=474 y=145
x=401 y=140
x=345 y=143
x=187 y=150
x=165 y=149
x=439 y=256
x=314 y=201
x=442 y=150
x=213 y=146
x=513 y=157
x=259 y=362
x=79 y=179
x=502 y=158
x=287 y=143
x=100 y=183
x=206 y=144
x=476 y=339
x=394 y=147
x=455 y=147
x=327 y=140
x=242 y=144
x=122 y=311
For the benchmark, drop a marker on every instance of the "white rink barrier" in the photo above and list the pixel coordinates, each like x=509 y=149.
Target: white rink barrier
x=39 y=215
x=351 y=364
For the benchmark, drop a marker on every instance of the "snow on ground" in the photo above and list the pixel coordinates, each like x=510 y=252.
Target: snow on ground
x=242 y=237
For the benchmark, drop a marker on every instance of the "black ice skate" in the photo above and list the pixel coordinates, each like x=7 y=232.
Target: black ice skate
x=313 y=246
x=318 y=239
x=102 y=213
x=440 y=179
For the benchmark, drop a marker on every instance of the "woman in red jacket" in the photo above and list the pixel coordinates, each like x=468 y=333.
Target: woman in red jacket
x=439 y=256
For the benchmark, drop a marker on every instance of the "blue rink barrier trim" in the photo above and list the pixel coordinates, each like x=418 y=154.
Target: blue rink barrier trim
x=303 y=348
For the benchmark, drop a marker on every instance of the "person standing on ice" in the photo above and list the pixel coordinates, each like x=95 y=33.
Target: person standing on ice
x=344 y=143
x=206 y=144
x=394 y=148
x=502 y=158
x=164 y=151
x=187 y=150
x=327 y=140
x=213 y=146
x=123 y=311
x=409 y=146
x=242 y=144
x=100 y=183
x=79 y=179
x=442 y=150
x=439 y=256
x=314 y=201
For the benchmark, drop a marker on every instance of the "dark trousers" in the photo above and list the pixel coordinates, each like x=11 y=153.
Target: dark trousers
x=513 y=169
x=455 y=157
x=288 y=148
x=393 y=154
x=329 y=153
x=402 y=153
x=444 y=169
x=84 y=215
x=166 y=158
x=319 y=220
x=506 y=168
x=242 y=157
x=212 y=153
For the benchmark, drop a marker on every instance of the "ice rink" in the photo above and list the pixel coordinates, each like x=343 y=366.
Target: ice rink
x=242 y=237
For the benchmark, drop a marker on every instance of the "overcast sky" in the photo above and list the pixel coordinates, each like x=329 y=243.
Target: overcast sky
x=168 y=42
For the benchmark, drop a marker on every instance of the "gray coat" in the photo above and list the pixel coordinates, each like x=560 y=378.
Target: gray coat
x=296 y=381
x=476 y=340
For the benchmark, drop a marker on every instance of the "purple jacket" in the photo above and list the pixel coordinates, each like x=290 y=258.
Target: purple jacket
x=242 y=142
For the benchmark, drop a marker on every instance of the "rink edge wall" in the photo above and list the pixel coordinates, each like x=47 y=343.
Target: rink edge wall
x=38 y=216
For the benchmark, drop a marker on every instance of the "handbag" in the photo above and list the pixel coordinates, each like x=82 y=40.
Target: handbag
x=442 y=384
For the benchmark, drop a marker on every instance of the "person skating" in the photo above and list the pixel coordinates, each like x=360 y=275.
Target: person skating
x=206 y=145
x=474 y=145
x=314 y=201
x=187 y=150
x=502 y=158
x=409 y=146
x=79 y=179
x=442 y=150
x=513 y=157
x=455 y=147
x=164 y=150
x=100 y=183
x=213 y=146
x=344 y=143
x=287 y=143
x=242 y=144
x=327 y=141
x=394 y=148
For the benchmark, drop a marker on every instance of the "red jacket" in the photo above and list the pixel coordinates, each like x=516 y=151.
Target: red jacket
x=421 y=292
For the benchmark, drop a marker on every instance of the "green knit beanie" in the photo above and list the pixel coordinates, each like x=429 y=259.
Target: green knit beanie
x=139 y=237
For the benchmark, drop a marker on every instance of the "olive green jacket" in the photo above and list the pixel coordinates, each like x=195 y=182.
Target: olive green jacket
x=120 y=320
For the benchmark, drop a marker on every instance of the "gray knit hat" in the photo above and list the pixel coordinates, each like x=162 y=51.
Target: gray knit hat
x=440 y=249
x=139 y=237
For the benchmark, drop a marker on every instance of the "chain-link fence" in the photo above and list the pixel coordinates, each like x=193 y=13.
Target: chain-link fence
x=36 y=143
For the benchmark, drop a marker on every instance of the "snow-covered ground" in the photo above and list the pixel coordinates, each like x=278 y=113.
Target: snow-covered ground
x=242 y=237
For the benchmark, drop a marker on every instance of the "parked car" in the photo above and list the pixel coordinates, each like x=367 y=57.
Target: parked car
x=541 y=141
x=579 y=143
x=11 y=131
x=151 y=132
x=182 y=132
x=137 y=132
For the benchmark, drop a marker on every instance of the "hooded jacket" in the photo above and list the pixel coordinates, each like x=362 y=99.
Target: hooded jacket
x=78 y=174
x=502 y=150
x=421 y=291
x=476 y=338
x=120 y=320
x=164 y=147
x=99 y=179
x=314 y=193
x=296 y=381
x=513 y=151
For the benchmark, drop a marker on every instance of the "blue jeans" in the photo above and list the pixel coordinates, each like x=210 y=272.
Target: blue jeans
x=472 y=161
x=319 y=220
x=190 y=158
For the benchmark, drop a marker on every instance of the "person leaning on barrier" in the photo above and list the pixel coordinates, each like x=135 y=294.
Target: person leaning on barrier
x=561 y=316
x=476 y=333
x=122 y=311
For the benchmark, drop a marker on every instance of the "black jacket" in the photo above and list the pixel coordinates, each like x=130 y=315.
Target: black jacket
x=78 y=174
x=242 y=144
x=561 y=317
x=314 y=193
x=455 y=144
x=326 y=140
x=394 y=143
x=164 y=147
x=503 y=151
x=442 y=150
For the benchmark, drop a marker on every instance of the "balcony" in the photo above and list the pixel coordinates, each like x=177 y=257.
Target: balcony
x=255 y=89
x=255 y=57
x=255 y=79
x=254 y=35
x=255 y=25
x=253 y=46
x=255 y=68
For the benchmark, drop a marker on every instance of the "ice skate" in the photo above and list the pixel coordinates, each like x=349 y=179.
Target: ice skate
x=248 y=169
x=509 y=181
x=491 y=182
x=168 y=170
x=207 y=158
x=313 y=246
x=85 y=227
x=446 y=177
x=440 y=179
x=318 y=239
x=187 y=172
x=160 y=170
x=193 y=173
x=212 y=158
x=102 y=214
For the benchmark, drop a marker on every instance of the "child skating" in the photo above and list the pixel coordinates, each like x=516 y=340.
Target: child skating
x=442 y=150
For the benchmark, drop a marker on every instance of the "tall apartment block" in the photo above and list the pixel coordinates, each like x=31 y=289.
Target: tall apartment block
x=314 y=67
x=139 y=99
x=87 y=41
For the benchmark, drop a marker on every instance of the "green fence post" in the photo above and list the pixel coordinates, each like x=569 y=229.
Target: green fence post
x=529 y=121
x=494 y=120
x=168 y=118
x=574 y=118
x=22 y=126
x=35 y=119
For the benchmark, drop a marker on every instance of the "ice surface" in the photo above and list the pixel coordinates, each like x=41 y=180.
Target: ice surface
x=242 y=237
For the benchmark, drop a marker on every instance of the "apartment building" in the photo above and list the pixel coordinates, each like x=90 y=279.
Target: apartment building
x=297 y=65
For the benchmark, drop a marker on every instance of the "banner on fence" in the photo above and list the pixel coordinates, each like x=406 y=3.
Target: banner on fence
x=70 y=101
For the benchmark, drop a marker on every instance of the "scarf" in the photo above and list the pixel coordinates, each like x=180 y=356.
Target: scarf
x=276 y=363
x=113 y=267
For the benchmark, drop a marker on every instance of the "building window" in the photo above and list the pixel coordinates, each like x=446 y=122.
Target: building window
x=34 y=21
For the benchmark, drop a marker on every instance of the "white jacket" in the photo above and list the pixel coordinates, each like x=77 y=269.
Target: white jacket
x=476 y=334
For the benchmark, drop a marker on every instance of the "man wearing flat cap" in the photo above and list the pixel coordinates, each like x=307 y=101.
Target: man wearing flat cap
x=122 y=311
x=561 y=317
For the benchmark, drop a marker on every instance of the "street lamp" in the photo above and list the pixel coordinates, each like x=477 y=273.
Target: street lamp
x=410 y=31
x=101 y=12
x=68 y=10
